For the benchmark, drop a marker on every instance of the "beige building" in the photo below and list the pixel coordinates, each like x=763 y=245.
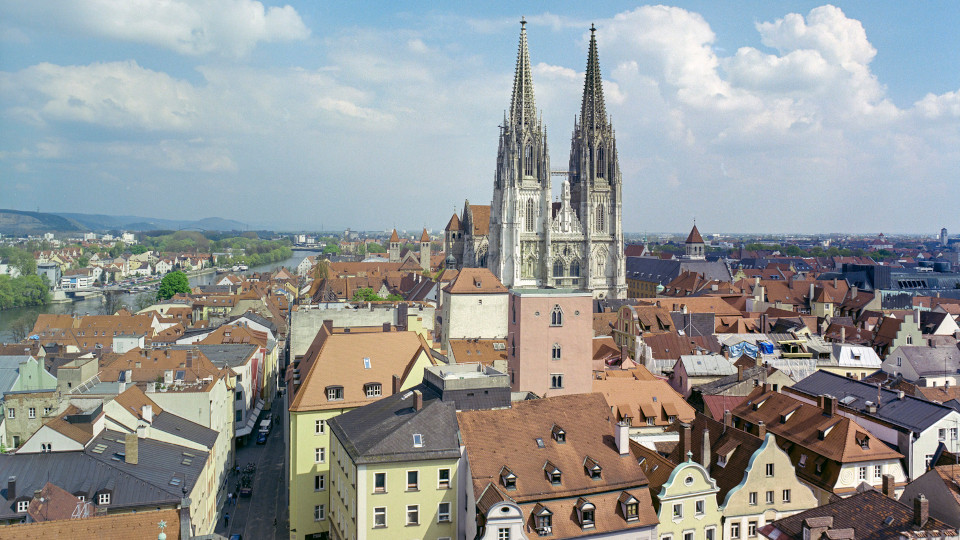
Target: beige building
x=472 y=306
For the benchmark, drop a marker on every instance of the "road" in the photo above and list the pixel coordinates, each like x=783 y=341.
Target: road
x=264 y=515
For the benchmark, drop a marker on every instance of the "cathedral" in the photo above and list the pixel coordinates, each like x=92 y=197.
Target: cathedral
x=524 y=237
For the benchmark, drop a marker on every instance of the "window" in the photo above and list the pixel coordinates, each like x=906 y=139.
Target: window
x=320 y=427
x=909 y=340
x=319 y=482
x=877 y=472
x=953 y=434
x=752 y=529
x=556 y=316
x=366 y=363
x=753 y=498
x=103 y=498
x=418 y=440
x=11 y=413
x=769 y=470
x=528 y=160
x=413 y=514
x=443 y=480
x=319 y=512
x=803 y=460
x=556 y=380
x=678 y=511
x=651 y=420
x=413 y=480
x=555 y=355
x=927 y=461
x=861 y=473
x=558 y=269
x=320 y=455
x=22 y=506
x=238 y=415
x=734 y=530
x=601 y=218
x=786 y=495
x=334 y=393
x=710 y=534
x=379 y=517
x=688 y=535
x=529 y=217
x=380 y=482
x=238 y=396
x=503 y=533
x=601 y=165
x=372 y=390
x=443 y=513
x=699 y=505
x=941 y=433
x=32 y=412
x=633 y=511
x=48 y=410
x=769 y=498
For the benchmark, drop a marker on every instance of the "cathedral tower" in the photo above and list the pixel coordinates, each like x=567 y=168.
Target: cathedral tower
x=520 y=212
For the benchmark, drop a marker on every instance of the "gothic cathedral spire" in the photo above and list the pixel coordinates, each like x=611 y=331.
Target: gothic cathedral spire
x=523 y=109
x=593 y=113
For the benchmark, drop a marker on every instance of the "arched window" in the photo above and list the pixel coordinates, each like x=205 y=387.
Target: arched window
x=530 y=215
x=482 y=258
x=601 y=163
x=528 y=160
x=555 y=354
x=575 y=269
x=558 y=269
x=601 y=218
x=556 y=317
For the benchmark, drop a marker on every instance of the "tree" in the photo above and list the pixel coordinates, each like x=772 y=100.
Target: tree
x=139 y=249
x=111 y=304
x=366 y=294
x=373 y=247
x=21 y=327
x=172 y=284
x=143 y=301
x=331 y=249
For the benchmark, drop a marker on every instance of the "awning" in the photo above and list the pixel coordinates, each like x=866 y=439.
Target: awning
x=251 y=420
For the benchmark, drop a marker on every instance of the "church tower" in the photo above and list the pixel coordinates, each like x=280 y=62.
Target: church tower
x=595 y=188
x=425 y=251
x=394 y=250
x=520 y=212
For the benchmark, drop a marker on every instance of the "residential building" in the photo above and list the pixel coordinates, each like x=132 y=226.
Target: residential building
x=696 y=369
x=832 y=454
x=306 y=320
x=550 y=334
x=941 y=486
x=925 y=365
x=645 y=403
x=865 y=515
x=853 y=361
x=546 y=467
x=914 y=426
x=29 y=398
x=473 y=305
x=338 y=373
x=725 y=393
x=892 y=332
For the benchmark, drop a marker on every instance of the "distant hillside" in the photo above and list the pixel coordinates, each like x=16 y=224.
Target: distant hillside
x=18 y=222
x=100 y=222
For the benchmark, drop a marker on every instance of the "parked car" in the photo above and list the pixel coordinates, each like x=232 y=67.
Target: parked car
x=262 y=437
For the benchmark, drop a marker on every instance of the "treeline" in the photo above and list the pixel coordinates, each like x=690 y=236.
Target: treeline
x=817 y=251
x=255 y=252
x=23 y=291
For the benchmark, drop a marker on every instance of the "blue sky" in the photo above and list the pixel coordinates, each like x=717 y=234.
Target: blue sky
x=750 y=116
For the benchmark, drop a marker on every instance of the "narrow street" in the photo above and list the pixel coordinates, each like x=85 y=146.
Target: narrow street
x=253 y=517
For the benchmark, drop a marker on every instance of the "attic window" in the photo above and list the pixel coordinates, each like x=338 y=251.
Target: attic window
x=366 y=363
x=417 y=440
x=508 y=479
x=630 y=506
x=553 y=473
x=334 y=393
x=863 y=440
x=180 y=375
x=592 y=468
x=372 y=390
x=586 y=510
x=559 y=434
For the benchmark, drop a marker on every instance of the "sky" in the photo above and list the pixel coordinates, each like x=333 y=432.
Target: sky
x=748 y=116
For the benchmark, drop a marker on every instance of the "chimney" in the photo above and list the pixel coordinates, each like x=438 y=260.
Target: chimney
x=11 y=488
x=763 y=323
x=417 y=400
x=813 y=528
x=900 y=394
x=811 y=292
x=396 y=384
x=739 y=372
x=705 y=450
x=386 y=327
x=853 y=291
x=843 y=334
x=131 y=448
x=761 y=429
x=727 y=418
x=146 y=412
x=888 y=488
x=686 y=443
x=921 y=511
x=622 y=437
x=328 y=324
x=821 y=401
x=830 y=405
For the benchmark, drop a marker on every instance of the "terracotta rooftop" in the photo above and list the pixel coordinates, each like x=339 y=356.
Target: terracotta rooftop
x=475 y=281
x=694 y=236
x=122 y=526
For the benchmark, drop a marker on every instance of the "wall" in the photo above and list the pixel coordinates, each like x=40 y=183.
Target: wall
x=677 y=490
x=473 y=316
x=305 y=321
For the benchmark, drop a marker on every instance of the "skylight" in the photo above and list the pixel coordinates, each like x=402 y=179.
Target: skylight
x=366 y=363
x=417 y=440
x=539 y=442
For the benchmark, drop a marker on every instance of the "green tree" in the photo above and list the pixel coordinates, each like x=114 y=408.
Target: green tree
x=143 y=301
x=366 y=294
x=373 y=247
x=21 y=326
x=172 y=284
x=139 y=249
x=331 y=249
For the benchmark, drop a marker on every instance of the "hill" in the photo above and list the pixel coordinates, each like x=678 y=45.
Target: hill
x=101 y=222
x=18 y=222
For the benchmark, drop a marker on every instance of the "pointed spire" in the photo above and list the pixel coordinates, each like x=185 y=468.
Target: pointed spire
x=593 y=112
x=522 y=106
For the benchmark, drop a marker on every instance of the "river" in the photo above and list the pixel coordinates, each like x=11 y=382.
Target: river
x=93 y=305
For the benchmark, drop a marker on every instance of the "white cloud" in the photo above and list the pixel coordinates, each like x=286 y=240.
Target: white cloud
x=191 y=27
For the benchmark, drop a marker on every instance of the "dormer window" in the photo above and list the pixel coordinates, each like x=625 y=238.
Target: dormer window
x=592 y=468
x=543 y=519
x=552 y=472
x=508 y=479
x=585 y=511
x=372 y=390
x=630 y=506
x=23 y=506
x=863 y=440
x=334 y=393
x=559 y=434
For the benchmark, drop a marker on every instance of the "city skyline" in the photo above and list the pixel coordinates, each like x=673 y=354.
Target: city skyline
x=798 y=117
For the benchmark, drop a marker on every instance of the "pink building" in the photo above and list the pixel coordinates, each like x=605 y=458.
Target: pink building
x=550 y=335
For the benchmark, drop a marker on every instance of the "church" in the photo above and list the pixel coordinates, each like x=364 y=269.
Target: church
x=529 y=240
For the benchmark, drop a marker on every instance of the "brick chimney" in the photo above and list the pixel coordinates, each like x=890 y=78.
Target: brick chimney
x=727 y=418
x=396 y=384
x=739 y=372
x=761 y=429
x=888 y=488
x=131 y=448
x=328 y=324
x=386 y=327
x=921 y=511
x=705 y=450
x=11 y=488
x=686 y=442
x=813 y=528
x=417 y=400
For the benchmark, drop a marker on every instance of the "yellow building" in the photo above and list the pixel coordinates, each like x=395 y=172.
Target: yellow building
x=393 y=469
x=339 y=373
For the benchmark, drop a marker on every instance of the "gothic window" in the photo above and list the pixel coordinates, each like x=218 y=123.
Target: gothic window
x=528 y=160
x=558 y=269
x=530 y=215
x=575 y=269
x=591 y=161
x=555 y=353
x=482 y=257
x=601 y=164
x=601 y=218
x=556 y=317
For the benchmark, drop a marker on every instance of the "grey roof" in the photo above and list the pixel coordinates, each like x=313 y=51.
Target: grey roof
x=909 y=412
x=78 y=472
x=159 y=462
x=382 y=431
x=694 y=324
x=181 y=427
x=711 y=270
x=653 y=269
x=10 y=370
x=723 y=384
x=224 y=355
x=707 y=365
x=930 y=360
x=255 y=317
